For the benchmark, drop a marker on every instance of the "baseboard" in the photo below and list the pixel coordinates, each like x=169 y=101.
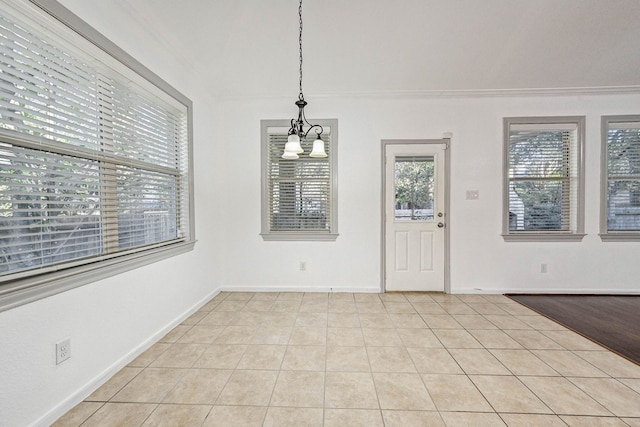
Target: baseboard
x=468 y=291
x=326 y=289
x=566 y=291
x=70 y=402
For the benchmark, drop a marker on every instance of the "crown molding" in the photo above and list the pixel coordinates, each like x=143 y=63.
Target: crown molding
x=461 y=93
x=480 y=93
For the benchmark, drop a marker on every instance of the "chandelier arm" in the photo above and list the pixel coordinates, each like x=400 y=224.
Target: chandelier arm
x=311 y=126
x=293 y=127
x=320 y=128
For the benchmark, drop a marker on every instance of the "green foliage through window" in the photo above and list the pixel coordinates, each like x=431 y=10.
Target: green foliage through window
x=414 y=188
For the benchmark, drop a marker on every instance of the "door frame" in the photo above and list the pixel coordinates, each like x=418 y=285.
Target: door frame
x=447 y=179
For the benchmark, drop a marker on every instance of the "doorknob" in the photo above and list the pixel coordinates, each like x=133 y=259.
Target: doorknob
x=440 y=225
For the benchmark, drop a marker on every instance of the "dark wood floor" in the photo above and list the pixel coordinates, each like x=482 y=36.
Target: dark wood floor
x=612 y=321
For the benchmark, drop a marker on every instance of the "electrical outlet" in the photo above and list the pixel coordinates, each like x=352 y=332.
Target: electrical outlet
x=543 y=268
x=63 y=350
x=303 y=265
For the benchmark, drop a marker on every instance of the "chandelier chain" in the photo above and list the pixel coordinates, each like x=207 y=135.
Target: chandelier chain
x=300 y=96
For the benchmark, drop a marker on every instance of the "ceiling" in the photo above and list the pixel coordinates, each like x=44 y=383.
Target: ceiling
x=250 y=47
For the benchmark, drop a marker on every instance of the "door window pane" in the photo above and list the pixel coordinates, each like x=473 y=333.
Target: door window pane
x=414 y=187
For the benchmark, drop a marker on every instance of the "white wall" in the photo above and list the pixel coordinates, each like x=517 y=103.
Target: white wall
x=480 y=260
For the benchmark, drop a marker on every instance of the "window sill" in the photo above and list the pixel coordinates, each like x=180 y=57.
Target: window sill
x=543 y=237
x=30 y=289
x=620 y=237
x=300 y=236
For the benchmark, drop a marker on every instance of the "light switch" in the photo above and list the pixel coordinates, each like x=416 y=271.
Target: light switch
x=473 y=194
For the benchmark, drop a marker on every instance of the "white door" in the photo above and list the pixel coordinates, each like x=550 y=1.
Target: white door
x=415 y=220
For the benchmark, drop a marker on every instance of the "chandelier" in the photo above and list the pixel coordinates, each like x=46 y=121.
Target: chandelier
x=296 y=132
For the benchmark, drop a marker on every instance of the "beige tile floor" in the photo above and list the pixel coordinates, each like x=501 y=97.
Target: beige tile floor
x=343 y=359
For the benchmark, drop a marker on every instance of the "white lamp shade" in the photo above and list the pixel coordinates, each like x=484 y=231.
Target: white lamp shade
x=293 y=145
x=318 y=149
x=289 y=155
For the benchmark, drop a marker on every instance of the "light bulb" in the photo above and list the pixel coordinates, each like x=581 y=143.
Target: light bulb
x=293 y=144
x=318 y=149
x=288 y=155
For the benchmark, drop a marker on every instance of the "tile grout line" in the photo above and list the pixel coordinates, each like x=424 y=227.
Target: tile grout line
x=245 y=306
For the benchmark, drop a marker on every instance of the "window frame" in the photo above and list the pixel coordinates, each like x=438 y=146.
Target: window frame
x=605 y=234
x=27 y=288
x=298 y=235
x=574 y=235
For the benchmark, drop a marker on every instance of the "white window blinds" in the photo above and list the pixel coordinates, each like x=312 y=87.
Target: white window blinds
x=299 y=197
x=622 y=173
x=543 y=182
x=93 y=158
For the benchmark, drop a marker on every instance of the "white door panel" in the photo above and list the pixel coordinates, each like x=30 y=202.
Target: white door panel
x=414 y=217
x=427 y=240
x=402 y=251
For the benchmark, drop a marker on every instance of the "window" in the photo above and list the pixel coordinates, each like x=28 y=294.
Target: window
x=299 y=197
x=94 y=160
x=414 y=186
x=543 y=190
x=620 y=217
